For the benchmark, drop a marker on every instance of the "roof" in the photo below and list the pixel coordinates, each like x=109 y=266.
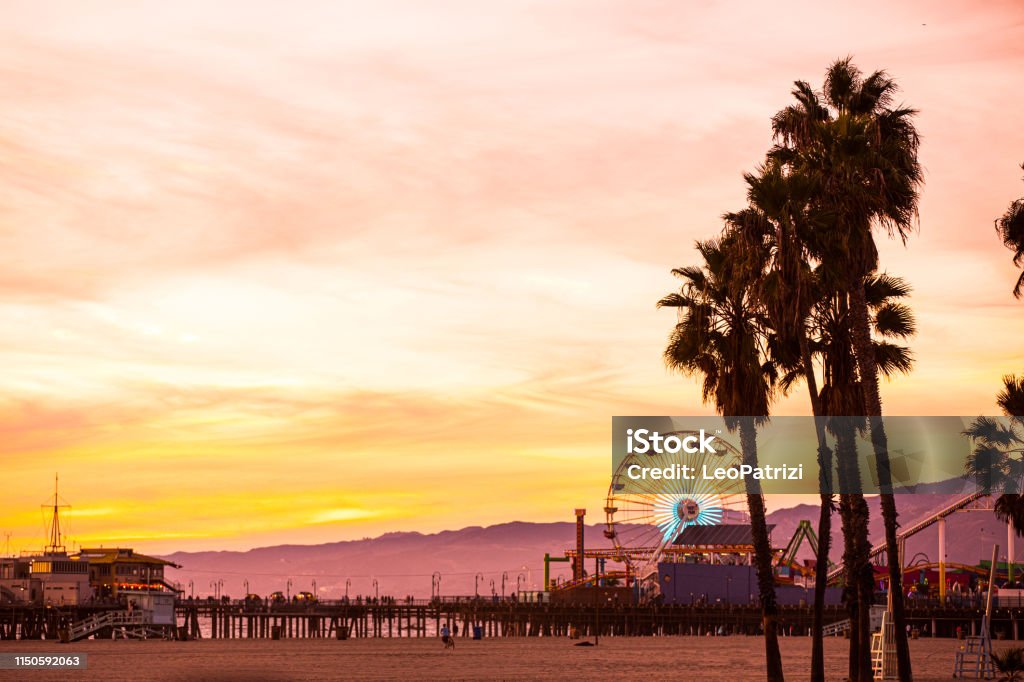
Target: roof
x=120 y=555
x=732 y=534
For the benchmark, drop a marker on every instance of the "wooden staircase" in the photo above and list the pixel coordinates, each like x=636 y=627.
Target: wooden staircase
x=837 y=628
x=120 y=621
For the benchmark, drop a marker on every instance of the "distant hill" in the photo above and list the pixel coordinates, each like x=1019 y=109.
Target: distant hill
x=403 y=563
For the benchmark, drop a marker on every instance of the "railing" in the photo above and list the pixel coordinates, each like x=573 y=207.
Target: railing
x=302 y=606
x=914 y=529
x=836 y=629
x=94 y=624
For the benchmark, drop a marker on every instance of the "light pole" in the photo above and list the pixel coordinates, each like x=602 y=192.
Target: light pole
x=435 y=584
x=220 y=588
x=376 y=591
x=348 y=584
x=314 y=588
x=519 y=582
x=288 y=590
x=476 y=584
x=504 y=577
x=247 y=588
x=191 y=590
x=494 y=592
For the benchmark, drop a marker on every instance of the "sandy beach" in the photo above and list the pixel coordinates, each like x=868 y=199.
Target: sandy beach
x=683 y=658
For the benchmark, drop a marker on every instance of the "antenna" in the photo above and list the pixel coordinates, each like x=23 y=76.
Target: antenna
x=56 y=545
x=7 y=538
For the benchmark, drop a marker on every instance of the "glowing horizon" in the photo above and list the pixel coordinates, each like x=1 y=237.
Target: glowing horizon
x=318 y=275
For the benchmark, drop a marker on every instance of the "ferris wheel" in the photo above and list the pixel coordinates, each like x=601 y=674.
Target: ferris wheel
x=644 y=522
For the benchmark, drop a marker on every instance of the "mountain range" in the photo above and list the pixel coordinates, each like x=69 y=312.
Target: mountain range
x=468 y=560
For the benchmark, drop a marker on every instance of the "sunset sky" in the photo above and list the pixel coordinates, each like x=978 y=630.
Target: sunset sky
x=308 y=271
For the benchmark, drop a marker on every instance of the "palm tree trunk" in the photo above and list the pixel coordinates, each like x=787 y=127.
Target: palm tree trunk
x=859 y=578
x=865 y=585
x=762 y=554
x=873 y=403
x=824 y=519
x=850 y=593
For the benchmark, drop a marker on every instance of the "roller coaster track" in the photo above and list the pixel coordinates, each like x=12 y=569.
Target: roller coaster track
x=907 y=532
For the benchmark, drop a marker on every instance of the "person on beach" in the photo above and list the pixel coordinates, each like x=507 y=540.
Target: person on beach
x=446 y=637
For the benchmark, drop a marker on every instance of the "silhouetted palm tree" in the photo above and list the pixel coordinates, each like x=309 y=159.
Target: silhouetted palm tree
x=1010 y=664
x=1011 y=230
x=720 y=337
x=1011 y=398
x=998 y=455
x=861 y=151
x=842 y=396
x=772 y=230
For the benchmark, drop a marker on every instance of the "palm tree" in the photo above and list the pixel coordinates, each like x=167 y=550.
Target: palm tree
x=998 y=455
x=1011 y=398
x=720 y=337
x=1010 y=664
x=771 y=232
x=861 y=150
x=842 y=396
x=1010 y=228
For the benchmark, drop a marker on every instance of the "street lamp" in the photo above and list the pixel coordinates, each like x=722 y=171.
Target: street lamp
x=288 y=590
x=247 y=587
x=435 y=584
x=494 y=592
x=476 y=584
x=191 y=589
x=504 y=577
x=314 y=588
x=348 y=583
x=519 y=582
x=376 y=590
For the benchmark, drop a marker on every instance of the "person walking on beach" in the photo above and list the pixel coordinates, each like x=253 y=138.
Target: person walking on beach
x=446 y=637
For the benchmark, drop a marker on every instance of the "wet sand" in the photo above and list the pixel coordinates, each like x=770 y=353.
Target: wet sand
x=736 y=659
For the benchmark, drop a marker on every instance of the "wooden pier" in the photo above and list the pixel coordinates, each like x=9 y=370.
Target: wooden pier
x=485 y=618
x=200 y=620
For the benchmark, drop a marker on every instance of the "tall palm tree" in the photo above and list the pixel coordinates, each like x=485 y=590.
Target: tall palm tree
x=861 y=149
x=771 y=232
x=1011 y=398
x=842 y=396
x=1011 y=230
x=720 y=336
x=998 y=454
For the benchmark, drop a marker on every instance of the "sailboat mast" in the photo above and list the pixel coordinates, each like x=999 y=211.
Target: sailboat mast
x=55 y=546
